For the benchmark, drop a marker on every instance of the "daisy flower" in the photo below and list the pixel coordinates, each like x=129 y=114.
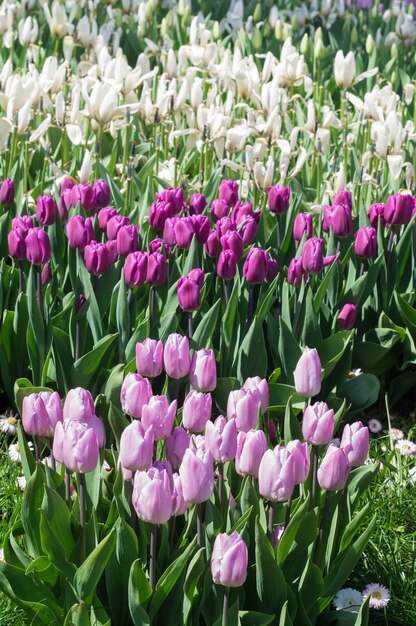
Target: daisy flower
x=379 y=595
x=347 y=599
x=396 y=434
x=374 y=425
x=21 y=483
x=406 y=447
x=8 y=424
x=14 y=452
x=354 y=373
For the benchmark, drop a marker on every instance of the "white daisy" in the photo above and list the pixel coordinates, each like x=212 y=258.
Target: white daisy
x=347 y=599
x=14 y=452
x=8 y=424
x=396 y=434
x=379 y=595
x=406 y=447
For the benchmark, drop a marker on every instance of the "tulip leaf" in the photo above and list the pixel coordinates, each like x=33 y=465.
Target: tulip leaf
x=289 y=351
x=117 y=571
x=292 y=427
x=31 y=503
x=222 y=390
x=362 y=391
x=206 y=327
x=265 y=302
x=52 y=545
x=195 y=570
x=88 y=575
x=139 y=592
x=332 y=348
x=252 y=357
x=287 y=540
x=123 y=315
x=284 y=615
x=93 y=314
x=87 y=366
x=253 y=618
x=58 y=515
x=27 y=458
x=270 y=582
x=279 y=396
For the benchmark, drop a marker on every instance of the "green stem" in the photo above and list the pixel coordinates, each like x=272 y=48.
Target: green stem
x=225 y=606
x=82 y=515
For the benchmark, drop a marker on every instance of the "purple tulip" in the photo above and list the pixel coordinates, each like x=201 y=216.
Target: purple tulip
x=127 y=239
x=295 y=272
x=135 y=393
x=272 y=270
x=176 y=444
x=366 y=242
x=99 y=257
x=278 y=199
x=398 y=209
x=251 y=447
x=255 y=266
x=219 y=209
x=156 y=269
x=197 y=409
x=212 y=244
x=84 y=194
x=334 y=470
x=169 y=237
x=41 y=412
x=203 y=371
x=17 y=244
x=159 y=213
x=221 y=439
x=173 y=196
x=80 y=231
x=227 y=265
x=277 y=474
x=375 y=213
x=313 y=255
x=136 y=447
x=189 y=294
x=248 y=231
x=159 y=414
x=114 y=224
x=149 y=358
x=38 y=246
x=197 y=475
x=301 y=460
x=7 y=192
x=339 y=218
x=233 y=241
x=45 y=210
x=201 y=227
x=104 y=216
x=23 y=223
x=67 y=183
x=176 y=356
x=46 y=274
x=224 y=225
x=229 y=560
x=228 y=191
x=355 y=441
x=184 y=231
x=344 y=197
x=101 y=193
x=242 y=211
x=318 y=424
x=135 y=268
x=197 y=203
x=303 y=224
x=152 y=495
x=308 y=373
x=346 y=316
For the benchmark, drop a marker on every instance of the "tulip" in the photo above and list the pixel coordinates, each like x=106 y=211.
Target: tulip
x=45 y=210
x=278 y=199
x=346 y=317
x=127 y=239
x=23 y=223
x=189 y=294
x=98 y=257
x=38 y=246
x=243 y=406
x=248 y=231
x=152 y=495
x=200 y=225
x=197 y=476
x=197 y=409
x=101 y=193
x=159 y=213
x=242 y=211
x=41 y=412
x=355 y=441
x=179 y=504
x=198 y=276
x=67 y=183
x=135 y=268
x=303 y=224
x=344 y=197
x=212 y=244
x=251 y=447
x=114 y=224
x=176 y=444
x=76 y=446
x=398 y=209
x=334 y=470
x=277 y=474
x=84 y=194
x=344 y=69
x=301 y=460
x=224 y=225
x=169 y=231
x=184 y=231
x=228 y=191
x=149 y=358
x=174 y=197
x=203 y=371
x=197 y=203
x=7 y=192
x=221 y=439
x=272 y=270
x=79 y=407
x=366 y=242
x=307 y=373
x=255 y=266
x=46 y=274
x=104 y=216
x=219 y=209
x=135 y=393
x=318 y=424
x=159 y=414
x=64 y=203
x=80 y=231
x=229 y=560
x=176 y=356
x=17 y=244
x=156 y=269
x=295 y=272
x=158 y=245
x=259 y=388
x=376 y=212
x=233 y=241
x=339 y=218
x=227 y=265
x=312 y=255
x=136 y=447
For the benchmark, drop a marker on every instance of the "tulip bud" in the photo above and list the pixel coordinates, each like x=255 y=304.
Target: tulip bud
x=179 y=504
x=219 y=209
x=346 y=317
x=152 y=495
x=366 y=242
x=229 y=560
x=127 y=239
x=114 y=224
x=370 y=44
x=98 y=257
x=255 y=266
x=197 y=475
x=272 y=270
x=136 y=447
x=46 y=274
x=295 y=272
x=355 y=441
x=344 y=69
x=197 y=409
x=45 y=210
x=251 y=447
x=135 y=268
x=312 y=255
x=16 y=243
x=176 y=444
x=183 y=232
x=41 y=412
x=38 y=246
x=189 y=294
x=243 y=406
x=156 y=269
x=176 y=356
x=81 y=306
x=318 y=424
x=203 y=371
x=277 y=474
x=135 y=393
x=149 y=358
x=303 y=224
x=278 y=199
x=212 y=244
x=76 y=445
x=159 y=414
x=376 y=212
x=301 y=460
x=307 y=373
x=80 y=231
x=84 y=194
x=339 y=218
x=228 y=191
x=197 y=203
x=201 y=228
x=398 y=209
x=248 y=231
x=334 y=470
x=221 y=439
x=104 y=216
x=233 y=241
x=227 y=265
x=101 y=190
x=7 y=192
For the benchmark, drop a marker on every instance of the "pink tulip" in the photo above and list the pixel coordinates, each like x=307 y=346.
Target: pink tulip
x=221 y=439
x=203 y=371
x=149 y=358
x=229 y=560
x=277 y=474
x=135 y=393
x=176 y=356
x=334 y=470
x=159 y=414
x=152 y=495
x=318 y=424
x=179 y=504
x=251 y=447
x=260 y=390
x=197 y=409
x=76 y=446
x=308 y=373
x=41 y=412
x=176 y=444
x=243 y=406
x=301 y=460
x=197 y=475
x=355 y=441
x=136 y=447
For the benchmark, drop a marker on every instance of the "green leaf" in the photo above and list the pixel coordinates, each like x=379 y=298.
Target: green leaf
x=93 y=313
x=58 y=515
x=284 y=615
x=292 y=427
x=270 y=582
x=55 y=550
x=206 y=327
x=253 y=618
x=362 y=391
x=252 y=358
x=123 y=315
x=30 y=513
x=118 y=569
x=289 y=351
x=289 y=536
x=222 y=390
x=195 y=570
x=87 y=366
x=88 y=575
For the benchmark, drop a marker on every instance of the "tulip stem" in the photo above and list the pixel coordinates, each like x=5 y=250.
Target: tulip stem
x=278 y=233
x=227 y=292
x=82 y=515
x=152 y=564
x=299 y=320
x=21 y=277
x=68 y=488
x=225 y=606
x=319 y=545
x=39 y=286
x=221 y=487
x=250 y=304
x=287 y=516
x=152 y=305
x=190 y=330
x=361 y=268
x=77 y=340
x=270 y=523
x=36 y=447
x=53 y=463
x=129 y=296
x=200 y=523
x=315 y=471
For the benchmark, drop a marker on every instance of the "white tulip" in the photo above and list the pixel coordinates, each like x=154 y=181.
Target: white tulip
x=28 y=31
x=344 y=69
x=86 y=168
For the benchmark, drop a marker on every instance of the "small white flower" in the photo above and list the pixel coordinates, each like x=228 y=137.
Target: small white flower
x=396 y=434
x=21 y=483
x=374 y=425
x=406 y=447
x=14 y=452
x=379 y=595
x=347 y=599
x=8 y=424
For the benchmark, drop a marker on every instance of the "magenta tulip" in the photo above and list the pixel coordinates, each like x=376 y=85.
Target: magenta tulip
x=127 y=239
x=135 y=268
x=302 y=225
x=156 y=269
x=346 y=317
x=38 y=246
x=295 y=272
x=80 y=231
x=228 y=191
x=99 y=257
x=366 y=242
x=255 y=266
x=17 y=244
x=7 y=192
x=197 y=203
x=278 y=198
x=313 y=255
x=227 y=265
x=45 y=210
x=101 y=190
x=398 y=209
